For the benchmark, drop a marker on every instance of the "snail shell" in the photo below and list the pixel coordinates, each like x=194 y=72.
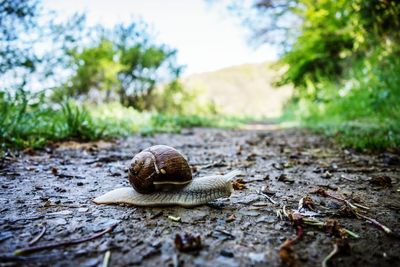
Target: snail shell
x=161 y=176
x=159 y=168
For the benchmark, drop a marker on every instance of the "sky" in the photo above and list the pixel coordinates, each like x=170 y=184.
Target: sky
x=206 y=36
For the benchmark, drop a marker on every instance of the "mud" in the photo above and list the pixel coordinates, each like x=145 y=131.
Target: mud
x=54 y=187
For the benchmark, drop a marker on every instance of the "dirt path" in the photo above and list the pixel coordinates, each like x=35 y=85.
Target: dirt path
x=54 y=187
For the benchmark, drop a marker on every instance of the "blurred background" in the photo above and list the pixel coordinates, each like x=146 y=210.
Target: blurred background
x=89 y=70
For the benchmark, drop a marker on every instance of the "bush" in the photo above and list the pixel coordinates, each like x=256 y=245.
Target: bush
x=361 y=111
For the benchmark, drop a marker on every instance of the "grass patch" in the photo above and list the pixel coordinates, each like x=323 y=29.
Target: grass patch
x=375 y=132
x=28 y=120
x=362 y=111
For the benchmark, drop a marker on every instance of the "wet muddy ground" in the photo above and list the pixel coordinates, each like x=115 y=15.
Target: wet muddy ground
x=53 y=188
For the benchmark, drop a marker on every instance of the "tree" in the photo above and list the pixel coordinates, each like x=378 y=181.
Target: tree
x=320 y=38
x=16 y=18
x=124 y=62
x=33 y=45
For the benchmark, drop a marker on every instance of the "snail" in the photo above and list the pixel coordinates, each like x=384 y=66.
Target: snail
x=161 y=176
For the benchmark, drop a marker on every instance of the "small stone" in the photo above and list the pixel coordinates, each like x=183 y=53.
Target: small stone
x=58 y=221
x=326 y=175
x=251 y=213
x=62 y=212
x=257 y=257
x=227 y=253
x=248 y=199
x=192 y=216
x=310 y=233
x=221 y=261
x=173 y=218
x=267 y=219
x=90 y=263
x=79 y=183
x=83 y=209
x=231 y=218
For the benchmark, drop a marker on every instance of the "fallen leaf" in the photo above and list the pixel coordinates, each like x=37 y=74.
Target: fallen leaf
x=239 y=184
x=175 y=219
x=188 y=242
x=231 y=218
x=382 y=180
x=288 y=255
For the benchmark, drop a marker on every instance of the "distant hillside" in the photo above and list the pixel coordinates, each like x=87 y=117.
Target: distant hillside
x=242 y=90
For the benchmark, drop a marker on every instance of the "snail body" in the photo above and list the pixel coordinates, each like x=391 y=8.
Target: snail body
x=199 y=191
x=161 y=176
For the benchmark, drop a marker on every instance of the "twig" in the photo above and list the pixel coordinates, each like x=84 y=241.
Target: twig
x=361 y=206
x=315 y=222
x=106 y=260
x=333 y=253
x=386 y=229
x=226 y=233
x=347 y=178
x=268 y=197
x=354 y=207
x=351 y=233
x=29 y=250
x=279 y=214
x=36 y=239
x=284 y=211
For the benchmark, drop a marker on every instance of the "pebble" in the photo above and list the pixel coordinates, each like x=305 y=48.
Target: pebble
x=90 y=263
x=193 y=216
x=58 y=221
x=83 y=209
x=62 y=212
x=247 y=199
x=267 y=219
x=257 y=257
x=251 y=213
x=310 y=233
x=227 y=253
x=222 y=261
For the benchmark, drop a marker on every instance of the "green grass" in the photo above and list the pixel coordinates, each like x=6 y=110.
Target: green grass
x=27 y=121
x=30 y=121
x=362 y=112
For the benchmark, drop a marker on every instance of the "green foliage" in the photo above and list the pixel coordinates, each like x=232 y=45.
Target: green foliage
x=76 y=123
x=124 y=64
x=176 y=99
x=333 y=34
x=95 y=68
x=344 y=63
x=364 y=113
x=122 y=120
x=27 y=121
x=323 y=44
x=82 y=64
